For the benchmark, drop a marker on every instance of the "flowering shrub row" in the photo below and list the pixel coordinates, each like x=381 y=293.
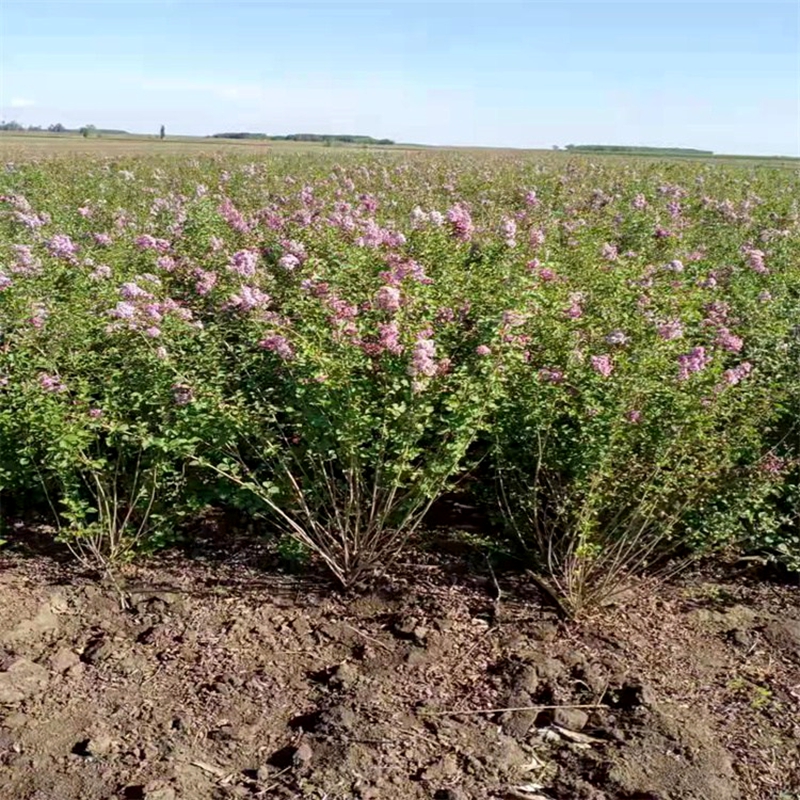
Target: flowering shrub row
x=612 y=347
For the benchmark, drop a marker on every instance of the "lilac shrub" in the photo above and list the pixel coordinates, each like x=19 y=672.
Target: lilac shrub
x=658 y=385
x=340 y=336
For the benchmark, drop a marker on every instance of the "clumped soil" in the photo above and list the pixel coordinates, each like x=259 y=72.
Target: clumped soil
x=223 y=680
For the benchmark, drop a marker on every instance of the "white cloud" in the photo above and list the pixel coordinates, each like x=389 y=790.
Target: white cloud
x=22 y=102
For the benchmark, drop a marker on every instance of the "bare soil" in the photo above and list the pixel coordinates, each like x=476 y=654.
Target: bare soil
x=223 y=680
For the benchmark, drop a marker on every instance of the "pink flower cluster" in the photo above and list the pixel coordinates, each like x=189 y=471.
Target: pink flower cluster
x=233 y=217
x=549 y=375
x=575 y=308
x=390 y=337
x=51 y=383
x=278 y=344
x=671 y=329
x=772 y=464
x=26 y=263
x=374 y=236
x=695 y=360
x=603 y=365
x=401 y=268
x=728 y=341
x=737 y=374
x=205 y=281
x=294 y=255
x=248 y=298
x=423 y=363
x=32 y=221
x=132 y=291
x=609 y=252
x=148 y=242
x=509 y=231
x=61 y=246
x=388 y=298
x=460 y=220
x=536 y=237
x=244 y=263
x=755 y=260
x=139 y=311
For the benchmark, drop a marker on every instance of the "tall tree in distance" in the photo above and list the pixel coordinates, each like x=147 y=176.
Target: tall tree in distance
x=162 y=133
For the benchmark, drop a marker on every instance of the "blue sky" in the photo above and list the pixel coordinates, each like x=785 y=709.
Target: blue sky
x=719 y=75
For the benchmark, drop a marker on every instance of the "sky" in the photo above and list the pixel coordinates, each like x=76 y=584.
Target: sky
x=723 y=76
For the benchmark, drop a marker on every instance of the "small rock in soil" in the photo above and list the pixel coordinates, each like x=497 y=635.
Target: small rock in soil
x=301 y=627
x=592 y=676
x=420 y=635
x=742 y=638
x=225 y=733
x=573 y=719
x=409 y=628
x=97 y=746
x=235 y=791
x=14 y=721
x=505 y=754
x=64 y=660
x=158 y=790
x=518 y=723
x=344 y=676
x=44 y=622
x=549 y=669
x=441 y=770
x=337 y=719
x=416 y=657
x=527 y=681
x=303 y=754
x=546 y=632
x=632 y=694
x=785 y=635
x=332 y=631
x=21 y=680
x=97 y=651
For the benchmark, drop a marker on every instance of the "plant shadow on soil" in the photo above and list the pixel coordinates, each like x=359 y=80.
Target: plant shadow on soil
x=234 y=675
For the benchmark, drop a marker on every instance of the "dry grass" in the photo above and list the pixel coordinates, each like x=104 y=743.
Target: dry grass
x=27 y=145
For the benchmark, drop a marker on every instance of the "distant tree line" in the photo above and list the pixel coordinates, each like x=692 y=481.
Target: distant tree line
x=86 y=130
x=304 y=137
x=620 y=148
x=240 y=135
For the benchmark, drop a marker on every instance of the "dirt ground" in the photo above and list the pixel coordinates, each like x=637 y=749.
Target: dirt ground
x=225 y=680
